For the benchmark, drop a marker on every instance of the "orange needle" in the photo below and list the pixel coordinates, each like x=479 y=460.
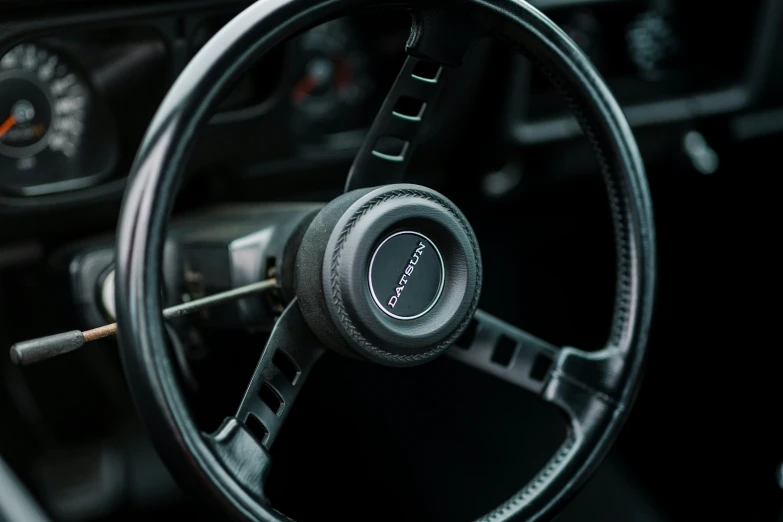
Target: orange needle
x=7 y=125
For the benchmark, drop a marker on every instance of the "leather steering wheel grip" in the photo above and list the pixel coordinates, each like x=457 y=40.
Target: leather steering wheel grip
x=596 y=390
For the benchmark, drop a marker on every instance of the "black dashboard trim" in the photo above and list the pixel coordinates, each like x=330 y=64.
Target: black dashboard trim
x=698 y=105
x=672 y=110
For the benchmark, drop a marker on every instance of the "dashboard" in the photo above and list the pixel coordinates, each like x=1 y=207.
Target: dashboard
x=78 y=89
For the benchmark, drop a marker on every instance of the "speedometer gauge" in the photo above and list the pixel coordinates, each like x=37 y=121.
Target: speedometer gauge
x=46 y=111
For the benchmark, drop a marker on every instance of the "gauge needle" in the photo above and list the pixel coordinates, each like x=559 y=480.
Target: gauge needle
x=302 y=89
x=7 y=125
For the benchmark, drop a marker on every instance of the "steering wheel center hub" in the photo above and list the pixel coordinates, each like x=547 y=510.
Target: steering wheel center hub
x=406 y=275
x=391 y=274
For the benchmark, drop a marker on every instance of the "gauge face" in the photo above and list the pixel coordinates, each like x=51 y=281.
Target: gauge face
x=28 y=117
x=45 y=109
x=334 y=77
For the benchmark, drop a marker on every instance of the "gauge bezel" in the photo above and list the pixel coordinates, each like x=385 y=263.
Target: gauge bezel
x=97 y=122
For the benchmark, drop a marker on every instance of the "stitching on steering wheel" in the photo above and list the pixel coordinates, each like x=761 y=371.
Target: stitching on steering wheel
x=617 y=199
x=617 y=202
x=337 y=297
x=536 y=483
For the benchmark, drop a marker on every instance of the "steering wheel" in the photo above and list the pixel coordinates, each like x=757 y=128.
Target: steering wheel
x=387 y=272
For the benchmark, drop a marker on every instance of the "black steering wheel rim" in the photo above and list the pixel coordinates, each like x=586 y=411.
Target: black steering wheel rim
x=596 y=413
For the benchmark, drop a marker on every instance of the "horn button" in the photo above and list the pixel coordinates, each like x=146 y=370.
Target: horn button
x=406 y=275
x=390 y=274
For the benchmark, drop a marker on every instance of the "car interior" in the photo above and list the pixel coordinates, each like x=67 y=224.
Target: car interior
x=498 y=259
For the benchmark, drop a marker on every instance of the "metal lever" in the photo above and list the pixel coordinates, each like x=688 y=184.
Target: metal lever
x=35 y=350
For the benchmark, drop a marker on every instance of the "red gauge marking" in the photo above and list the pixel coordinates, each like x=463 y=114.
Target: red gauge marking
x=7 y=125
x=303 y=88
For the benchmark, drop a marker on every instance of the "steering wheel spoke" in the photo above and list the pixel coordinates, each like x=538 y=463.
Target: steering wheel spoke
x=500 y=349
x=437 y=45
x=493 y=346
x=394 y=134
x=290 y=354
x=243 y=441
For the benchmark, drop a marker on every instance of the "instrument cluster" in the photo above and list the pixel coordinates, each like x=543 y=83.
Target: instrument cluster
x=74 y=107
x=55 y=133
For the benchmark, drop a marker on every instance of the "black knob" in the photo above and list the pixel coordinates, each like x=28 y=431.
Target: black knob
x=651 y=43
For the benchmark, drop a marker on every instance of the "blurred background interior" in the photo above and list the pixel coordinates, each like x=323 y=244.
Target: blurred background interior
x=702 y=86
